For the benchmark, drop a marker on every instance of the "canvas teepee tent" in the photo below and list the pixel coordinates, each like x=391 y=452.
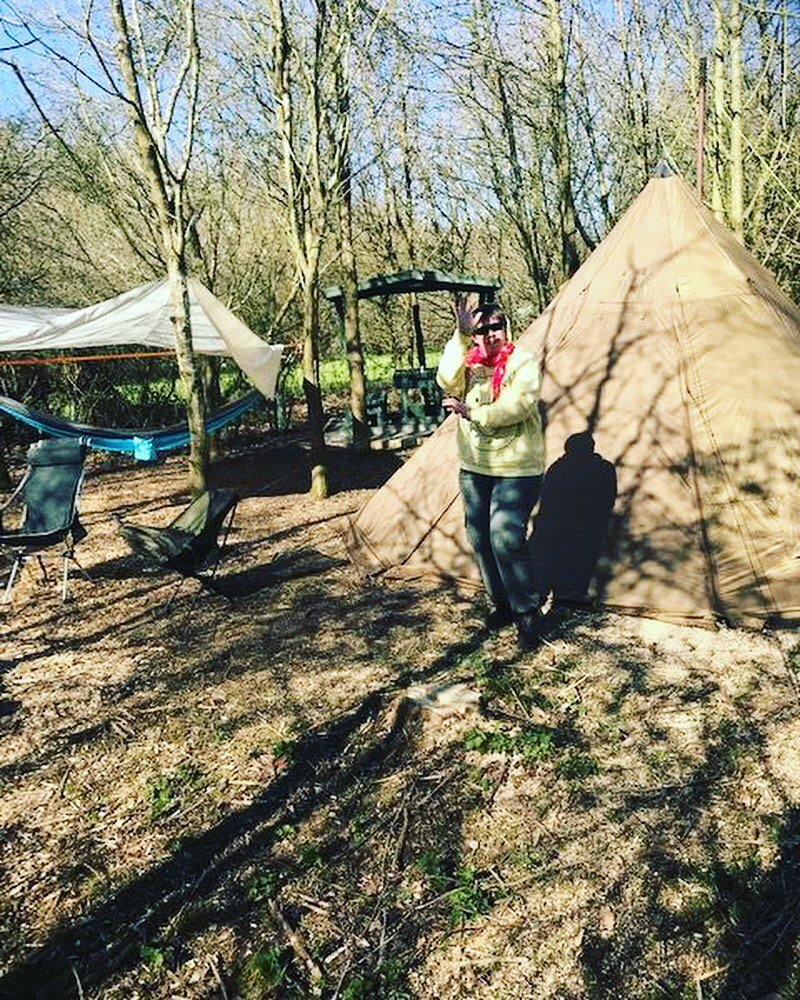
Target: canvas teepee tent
x=680 y=355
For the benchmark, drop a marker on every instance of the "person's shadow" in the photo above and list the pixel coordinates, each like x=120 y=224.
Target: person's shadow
x=577 y=498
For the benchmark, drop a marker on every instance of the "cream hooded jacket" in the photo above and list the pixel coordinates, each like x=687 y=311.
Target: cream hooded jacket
x=502 y=437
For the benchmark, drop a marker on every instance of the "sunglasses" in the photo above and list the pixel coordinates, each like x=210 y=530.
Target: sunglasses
x=498 y=324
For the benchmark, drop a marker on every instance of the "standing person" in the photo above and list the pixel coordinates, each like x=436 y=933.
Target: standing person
x=493 y=387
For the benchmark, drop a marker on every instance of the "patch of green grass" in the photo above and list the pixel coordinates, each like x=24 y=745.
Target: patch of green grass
x=577 y=767
x=284 y=749
x=731 y=741
x=222 y=731
x=431 y=865
x=573 y=704
x=311 y=858
x=467 y=893
x=264 y=885
x=358 y=830
x=159 y=795
x=734 y=887
x=505 y=682
x=385 y=983
x=658 y=759
x=165 y=791
x=533 y=743
x=476 y=662
x=487 y=741
x=470 y=898
x=494 y=683
x=477 y=777
x=774 y=825
x=153 y=956
x=527 y=859
x=264 y=970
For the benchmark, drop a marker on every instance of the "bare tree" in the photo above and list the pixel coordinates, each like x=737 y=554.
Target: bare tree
x=718 y=156
x=297 y=76
x=492 y=86
x=152 y=115
x=736 y=157
x=155 y=85
x=341 y=125
x=560 y=139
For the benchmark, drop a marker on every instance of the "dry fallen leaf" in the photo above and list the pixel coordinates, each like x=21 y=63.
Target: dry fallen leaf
x=606 y=921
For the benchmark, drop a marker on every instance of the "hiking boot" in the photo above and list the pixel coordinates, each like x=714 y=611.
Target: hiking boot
x=530 y=625
x=499 y=617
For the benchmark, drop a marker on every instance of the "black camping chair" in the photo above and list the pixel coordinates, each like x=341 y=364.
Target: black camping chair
x=189 y=543
x=50 y=492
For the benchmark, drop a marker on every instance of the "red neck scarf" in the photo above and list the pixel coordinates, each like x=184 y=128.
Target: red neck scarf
x=475 y=357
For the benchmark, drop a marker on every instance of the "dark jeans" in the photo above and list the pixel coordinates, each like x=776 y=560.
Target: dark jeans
x=497 y=510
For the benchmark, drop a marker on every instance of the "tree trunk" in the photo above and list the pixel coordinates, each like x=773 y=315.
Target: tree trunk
x=166 y=199
x=570 y=260
x=306 y=201
x=191 y=375
x=736 y=208
x=516 y=197
x=212 y=394
x=598 y=159
x=355 y=362
x=352 y=325
x=718 y=87
x=313 y=393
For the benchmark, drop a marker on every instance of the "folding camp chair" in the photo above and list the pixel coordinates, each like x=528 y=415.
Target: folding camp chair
x=50 y=492
x=189 y=543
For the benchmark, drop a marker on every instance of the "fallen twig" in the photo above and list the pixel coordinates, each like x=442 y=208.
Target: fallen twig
x=296 y=942
x=212 y=964
x=500 y=781
x=77 y=980
x=397 y=860
x=62 y=784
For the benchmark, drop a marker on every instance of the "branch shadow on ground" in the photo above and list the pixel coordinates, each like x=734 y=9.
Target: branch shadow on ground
x=701 y=881
x=106 y=940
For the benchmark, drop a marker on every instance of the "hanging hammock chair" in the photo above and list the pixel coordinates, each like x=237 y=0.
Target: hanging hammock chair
x=144 y=445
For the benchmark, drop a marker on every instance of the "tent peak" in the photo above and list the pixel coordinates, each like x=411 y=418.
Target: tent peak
x=664 y=169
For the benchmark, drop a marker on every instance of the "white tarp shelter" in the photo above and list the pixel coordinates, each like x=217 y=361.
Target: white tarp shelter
x=142 y=316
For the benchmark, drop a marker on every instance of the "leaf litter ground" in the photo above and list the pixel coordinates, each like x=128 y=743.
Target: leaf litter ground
x=268 y=793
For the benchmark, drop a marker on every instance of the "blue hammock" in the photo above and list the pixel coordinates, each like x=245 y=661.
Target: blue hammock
x=144 y=445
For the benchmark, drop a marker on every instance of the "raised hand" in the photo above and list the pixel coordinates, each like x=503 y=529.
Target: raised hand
x=463 y=305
